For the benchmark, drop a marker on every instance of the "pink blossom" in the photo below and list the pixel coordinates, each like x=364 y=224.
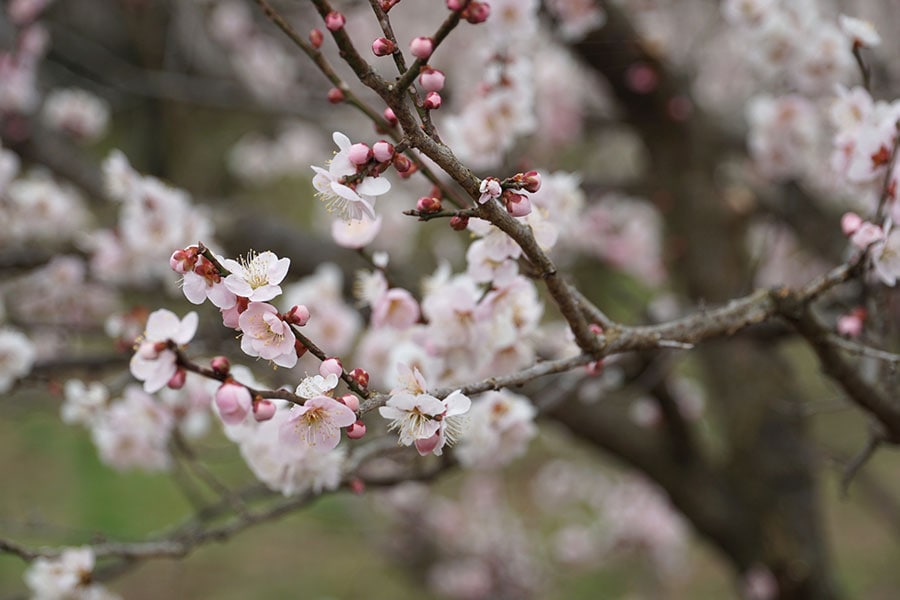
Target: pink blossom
x=318 y=423
x=205 y=282
x=266 y=335
x=867 y=234
x=349 y=200
x=489 y=188
x=257 y=276
x=850 y=223
x=355 y=233
x=233 y=401
x=154 y=361
x=886 y=258
x=396 y=308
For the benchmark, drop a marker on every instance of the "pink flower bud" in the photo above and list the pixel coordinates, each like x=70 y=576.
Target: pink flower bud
x=518 y=205
x=432 y=101
x=350 y=401
x=335 y=95
x=641 y=78
x=176 y=382
x=316 y=38
x=359 y=154
x=357 y=486
x=334 y=21
x=595 y=329
x=382 y=151
x=431 y=80
x=402 y=163
x=183 y=261
x=390 y=117
x=360 y=376
x=357 y=430
x=456 y=4
x=383 y=47
x=490 y=188
x=331 y=366
x=421 y=47
x=867 y=234
x=477 y=12
x=531 y=181
x=387 y=5
x=428 y=205
x=850 y=325
x=459 y=222
x=298 y=315
x=850 y=222
x=220 y=365
x=233 y=401
x=263 y=410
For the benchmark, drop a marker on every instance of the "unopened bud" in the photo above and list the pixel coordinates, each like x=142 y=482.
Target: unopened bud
x=477 y=12
x=298 y=315
x=383 y=47
x=431 y=80
x=432 y=101
x=456 y=4
x=459 y=222
x=335 y=95
x=334 y=21
x=359 y=154
x=176 y=382
x=220 y=365
x=390 y=117
x=421 y=47
x=316 y=38
x=360 y=376
x=850 y=222
x=382 y=151
x=331 y=366
x=531 y=181
x=350 y=401
x=356 y=430
x=428 y=205
x=518 y=205
x=263 y=410
x=402 y=163
x=184 y=260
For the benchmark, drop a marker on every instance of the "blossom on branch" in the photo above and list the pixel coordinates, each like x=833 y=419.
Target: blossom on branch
x=154 y=360
x=267 y=335
x=317 y=423
x=343 y=190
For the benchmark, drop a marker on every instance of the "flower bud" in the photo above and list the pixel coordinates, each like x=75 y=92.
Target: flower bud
x=359 y=154
x=350 y=401
x=518 y=205
x=387 y=5
x=459 y=222
x=431 y=80
x=383 y=47
x=476 y=12
x=176 y=382
x=233 y=401
x=298 y=315
x=335 y=95
x=360 y=376
x=456 y=4
x=428 y=205
x=432 y=101
x=331 y=366
x=850 y=222
x=402 y=163
x=531 y=181
x=357 y=430
x=334 y=21
x=184 y=260
x=390 y=117
x=220 y=365
x=421 y=47
x=382 y=151
x=263 y=410
x=316 y=38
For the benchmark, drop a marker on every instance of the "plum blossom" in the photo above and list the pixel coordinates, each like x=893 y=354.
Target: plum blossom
x=233 y=402
x=204 y=281
x=17 y=355
x=886 y=258
x=76 y=112
x=66 y=576
x=154 y=360
x=267 y=335
x=317 y=385
x=350 y=199
x=396 y=308
x=862 y=33
x=355 y=233
x=421 y=419
x=501 y=425
x=84 y=402
x=317 y=423
x=257 y=276
x=134 y=432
